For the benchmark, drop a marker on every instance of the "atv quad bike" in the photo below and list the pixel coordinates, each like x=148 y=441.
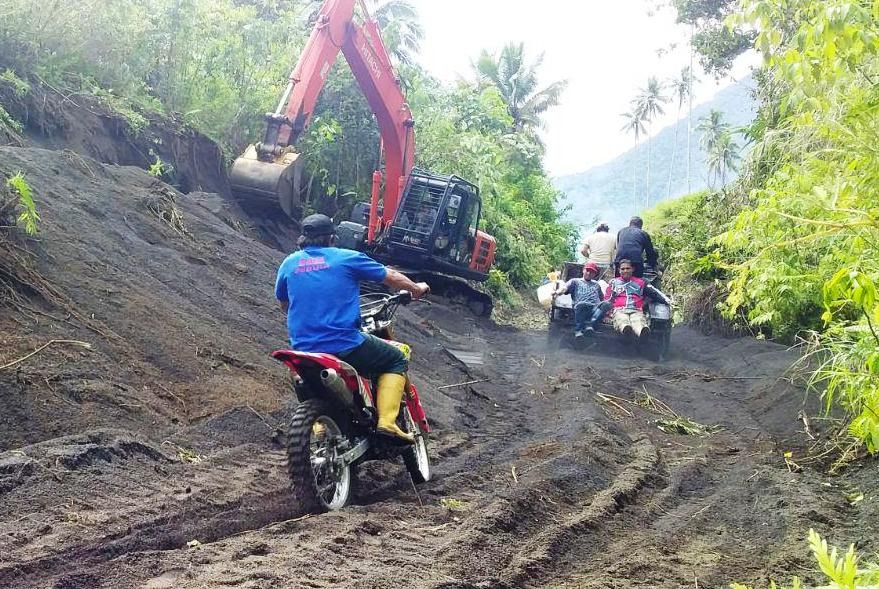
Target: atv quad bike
x=659 y=315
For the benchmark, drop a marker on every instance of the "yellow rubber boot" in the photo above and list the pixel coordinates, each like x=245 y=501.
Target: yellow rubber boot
x=390 y=394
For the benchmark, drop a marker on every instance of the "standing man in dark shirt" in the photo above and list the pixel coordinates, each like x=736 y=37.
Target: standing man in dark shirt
x=633 y=243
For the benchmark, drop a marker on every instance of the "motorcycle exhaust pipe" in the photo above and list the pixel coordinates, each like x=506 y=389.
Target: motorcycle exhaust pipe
x=334 y=383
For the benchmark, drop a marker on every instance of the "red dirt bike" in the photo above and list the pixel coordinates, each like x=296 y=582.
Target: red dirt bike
x=333 y=427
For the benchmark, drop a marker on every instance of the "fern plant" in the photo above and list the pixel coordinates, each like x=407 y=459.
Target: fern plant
x=841 y=571
x=28 y=216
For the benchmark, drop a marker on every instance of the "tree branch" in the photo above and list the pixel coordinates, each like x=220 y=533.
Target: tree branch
x=85 y=345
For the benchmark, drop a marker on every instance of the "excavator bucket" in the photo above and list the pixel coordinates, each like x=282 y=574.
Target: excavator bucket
x=268 y=183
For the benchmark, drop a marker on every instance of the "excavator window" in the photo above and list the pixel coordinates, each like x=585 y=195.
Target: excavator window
x=439 y=215
x=418 y=213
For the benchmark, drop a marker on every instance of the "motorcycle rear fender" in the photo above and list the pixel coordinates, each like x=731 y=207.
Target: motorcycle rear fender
x=307 y=365
x=415 y=408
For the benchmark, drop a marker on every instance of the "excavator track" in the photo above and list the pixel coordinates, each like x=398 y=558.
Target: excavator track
x=452 y=288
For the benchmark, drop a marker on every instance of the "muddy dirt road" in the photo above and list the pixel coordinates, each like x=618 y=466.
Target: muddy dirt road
x=152 y=460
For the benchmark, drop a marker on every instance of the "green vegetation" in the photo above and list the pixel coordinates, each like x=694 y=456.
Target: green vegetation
x=516 y=80
x=219 y=65
x=470 y=134
x=841 y=572
x=716 y=42
x=159 y=168
x=791 y=250
x=721 y=149
x=19 y=89
x=18 y=197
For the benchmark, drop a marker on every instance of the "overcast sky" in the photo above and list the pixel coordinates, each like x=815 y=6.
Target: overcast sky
x=606 y=51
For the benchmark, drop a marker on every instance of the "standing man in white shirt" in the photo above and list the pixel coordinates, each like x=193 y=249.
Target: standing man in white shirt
x=600 y=248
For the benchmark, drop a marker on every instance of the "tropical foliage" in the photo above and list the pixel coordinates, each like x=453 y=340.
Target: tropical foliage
x=795 y=242
x=718 y=142
x=219 y=65
x=17 y=204
x=714 y=39
x=517 y=81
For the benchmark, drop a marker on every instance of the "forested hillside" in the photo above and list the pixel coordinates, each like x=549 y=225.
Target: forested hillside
x=789 y=251
x=218 y=66
x=616 y=190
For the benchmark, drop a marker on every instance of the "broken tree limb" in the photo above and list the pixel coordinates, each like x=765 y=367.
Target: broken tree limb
x=66 y=342
x=461 y=384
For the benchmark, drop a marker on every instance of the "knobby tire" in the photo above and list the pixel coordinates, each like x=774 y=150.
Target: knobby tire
x=299 y=454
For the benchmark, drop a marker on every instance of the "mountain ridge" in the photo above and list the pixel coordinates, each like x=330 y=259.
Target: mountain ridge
x=613 y=192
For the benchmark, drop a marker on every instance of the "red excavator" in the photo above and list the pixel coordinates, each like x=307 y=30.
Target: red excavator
x=426 y=224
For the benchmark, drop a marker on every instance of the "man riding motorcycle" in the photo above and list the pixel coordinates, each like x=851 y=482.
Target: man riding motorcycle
x=318 y=288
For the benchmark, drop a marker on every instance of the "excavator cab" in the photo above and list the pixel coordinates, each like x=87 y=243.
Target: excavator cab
x=436 y=227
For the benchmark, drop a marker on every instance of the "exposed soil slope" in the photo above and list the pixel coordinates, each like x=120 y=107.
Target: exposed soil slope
x=164 y=432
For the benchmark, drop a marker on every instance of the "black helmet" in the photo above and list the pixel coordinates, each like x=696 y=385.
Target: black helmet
x=317 y=225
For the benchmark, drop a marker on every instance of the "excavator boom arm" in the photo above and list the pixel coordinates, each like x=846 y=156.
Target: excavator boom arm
x=368 y=58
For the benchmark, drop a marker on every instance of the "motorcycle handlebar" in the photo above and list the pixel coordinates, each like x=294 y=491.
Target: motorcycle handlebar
x=404 y=297
x=372 y=308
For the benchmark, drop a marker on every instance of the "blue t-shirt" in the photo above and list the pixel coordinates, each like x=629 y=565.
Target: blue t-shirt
x=321 y=285
x=584 y=291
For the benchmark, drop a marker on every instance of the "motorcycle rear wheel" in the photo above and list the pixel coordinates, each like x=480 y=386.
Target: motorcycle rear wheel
x=415 y=457
x=319 y=482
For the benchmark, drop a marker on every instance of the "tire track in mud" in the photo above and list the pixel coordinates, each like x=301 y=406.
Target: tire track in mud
x=227 y=493
x=155 y=524
x=543 y=506
x=534 y=560
x=547 y=482
x=545 y=520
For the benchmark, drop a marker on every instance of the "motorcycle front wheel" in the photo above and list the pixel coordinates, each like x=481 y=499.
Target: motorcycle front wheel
x=415 y=457
x=314 y=441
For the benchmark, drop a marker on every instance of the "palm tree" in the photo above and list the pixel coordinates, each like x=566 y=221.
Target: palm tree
x=649 y=104
x=723 y=157
x=635 y=125
x=401 y=28
x=681 y=88
x=516 y=80
x=712 y=126
x=398 y=21
x=690 y=106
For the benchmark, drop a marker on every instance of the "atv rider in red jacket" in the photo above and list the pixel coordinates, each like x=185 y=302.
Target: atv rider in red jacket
x=626 y=294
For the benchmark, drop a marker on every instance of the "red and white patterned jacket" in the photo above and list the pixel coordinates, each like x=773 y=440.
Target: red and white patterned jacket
x=626 y=295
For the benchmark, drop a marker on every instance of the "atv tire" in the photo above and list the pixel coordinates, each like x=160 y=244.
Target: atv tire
x=660 y=341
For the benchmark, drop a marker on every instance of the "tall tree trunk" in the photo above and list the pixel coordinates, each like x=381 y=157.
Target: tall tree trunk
x=690 y=110
x=635 y=175
x=674 y=152
x=647 y=192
